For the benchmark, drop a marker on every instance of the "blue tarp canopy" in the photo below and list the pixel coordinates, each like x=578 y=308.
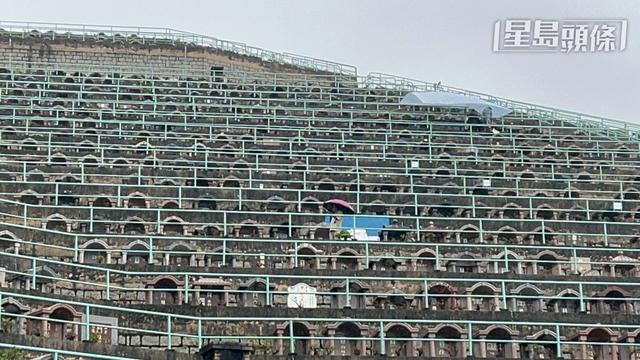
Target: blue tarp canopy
x=453 y=100
x=373 y=224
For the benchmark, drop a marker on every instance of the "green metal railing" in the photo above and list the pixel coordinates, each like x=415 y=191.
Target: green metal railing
x=349 y=111
x=563 y=330
x=288 y=252
x=115 y=284
x=587 y=122
x=294 y=200
x=342 y=102
x=415 y=224
x=346 y=147
x=57 y=354
x=583 y=121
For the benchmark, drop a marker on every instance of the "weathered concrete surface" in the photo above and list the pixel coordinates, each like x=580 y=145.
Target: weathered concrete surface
x=95 y=348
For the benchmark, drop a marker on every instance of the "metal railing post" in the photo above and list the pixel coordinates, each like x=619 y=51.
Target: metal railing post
x=224 y=252
x=224 y=223
x=506 y=258
x=151 y=250
x=91 y=219
x=87 y=321
x=186 y=289
x=75 y=248
x=295 y=254
x=108 y=284
x=504 y=296
x=267 y=290
x=469 y=340
x=366 y=254
x=347 y=288
x=33 y=273
x=383 y=351
x=426 y=294
x=292 y=346
x=169 y=335
x=558 y=343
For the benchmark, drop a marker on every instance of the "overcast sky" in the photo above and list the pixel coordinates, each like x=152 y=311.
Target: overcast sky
x=448 y=41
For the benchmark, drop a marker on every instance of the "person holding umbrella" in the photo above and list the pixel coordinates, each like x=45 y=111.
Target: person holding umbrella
x=337 y=207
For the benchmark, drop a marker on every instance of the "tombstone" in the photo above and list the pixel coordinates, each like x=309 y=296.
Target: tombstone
x=359 y=234
x=582 y=264
x=225 y=351
x=3 y=277
x=102 y=329
x=302 y=295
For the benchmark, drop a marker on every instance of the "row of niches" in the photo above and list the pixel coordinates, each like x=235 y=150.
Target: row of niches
x=388 y=194
x=507 y=252
x=200 y=123
x=278 y=150
x=288 y=181
x=43 y=132
x=344 y=337
x=525 y=135
x=362 y=125
x=520 y=135
x=34 y=79
x=230 y=101
x=208 y=100
x=169 y=108
x=509 y=226
x=358 y=292
x=211 y=107
x=229 y=145
x=204 y=93
x=214 y=102
x=135 y=213
x=266 y=208
x=293 y=178
x=81 y=202
x=368 y=123
x=399 y=170
x=336 y=91
x=371 y=197
x=216 y=77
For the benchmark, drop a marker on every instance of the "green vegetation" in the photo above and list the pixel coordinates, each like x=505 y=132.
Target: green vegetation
x=11 y=354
